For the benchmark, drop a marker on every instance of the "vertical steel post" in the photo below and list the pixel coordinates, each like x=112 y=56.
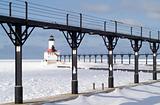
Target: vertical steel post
x=74 y=39
x=74 y=71
x=136 y=47
x=74 y=64
x=141 y=31
x=136 y=74
x=69 y=58
x=10 y=8
x=10 y=12
x=158 y=35
x=136 y=55
x=121 y=58
x=146 y=59
x=94 y=86
x=110 y=66
x=89 y=58
x=154 y=47
x=67 y=17
x=18 y=68
x=116 y=27
x=110 y=43
x=102 y=86
x=26 y=3
x=154 y=66
x=129 y=55
x=64 y=58
x=84 y=58
x=154 y=50
x=101 y=58
x=114 y=55
x=95 y=58
x=150 y=34
x=114 y=58
x=131 y=30
x=80 y=20
x=104 y=25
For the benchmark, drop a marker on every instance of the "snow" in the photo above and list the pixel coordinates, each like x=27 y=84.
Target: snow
x=139 y=95
x=40 y=80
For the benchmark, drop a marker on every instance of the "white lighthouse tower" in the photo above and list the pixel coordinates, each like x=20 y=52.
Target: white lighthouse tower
x=51 y=55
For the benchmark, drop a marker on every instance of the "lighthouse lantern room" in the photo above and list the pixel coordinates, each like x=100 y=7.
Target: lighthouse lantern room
x=51 y=55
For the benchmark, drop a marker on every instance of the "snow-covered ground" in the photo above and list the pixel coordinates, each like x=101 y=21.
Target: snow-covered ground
x=139 y=95
x=40 y=80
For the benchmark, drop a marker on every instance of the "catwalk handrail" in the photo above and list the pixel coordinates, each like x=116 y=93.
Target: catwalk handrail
x=59 y=16
x=140 y=54
x=96 y=57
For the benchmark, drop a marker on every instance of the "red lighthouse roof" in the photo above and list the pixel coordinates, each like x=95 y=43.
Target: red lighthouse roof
x=52 y=50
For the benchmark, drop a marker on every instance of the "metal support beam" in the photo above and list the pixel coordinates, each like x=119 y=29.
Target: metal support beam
x=10 y=8
x=18 y=68
x=129 y=56
x=18 y=36
x=74 y=40
x=84 y=57
x=146 y=58
x=110 y=43
x=89 y=58
x=69 y=57
x=74 y=71
x=101 y=58
x=95 y=56
x=154 y=47
x=121 y=58
x=136 y=47
x=136 y=75
x=154 y=66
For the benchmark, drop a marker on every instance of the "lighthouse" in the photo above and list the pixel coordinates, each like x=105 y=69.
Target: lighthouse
x=51 y=54
x=51 y=47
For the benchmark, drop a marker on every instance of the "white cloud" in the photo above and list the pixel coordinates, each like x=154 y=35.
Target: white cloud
x=97 y=8
x=150 y=8
x=131 y=21
x=132 y=5
x=154 y=15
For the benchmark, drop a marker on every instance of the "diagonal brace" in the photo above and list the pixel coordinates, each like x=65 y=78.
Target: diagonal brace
x=9 y=34
x=108 y=40
x=16 y=35
x=154 y=47
x=27 y=35
x=75 y=38
x=19 y=38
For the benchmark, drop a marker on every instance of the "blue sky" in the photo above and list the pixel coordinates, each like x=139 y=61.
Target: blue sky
x=137 y=12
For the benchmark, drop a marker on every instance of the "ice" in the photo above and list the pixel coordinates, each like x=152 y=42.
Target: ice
x=41 y=80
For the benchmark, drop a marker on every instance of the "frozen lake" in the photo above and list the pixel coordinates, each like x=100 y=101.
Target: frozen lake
x=40 y=80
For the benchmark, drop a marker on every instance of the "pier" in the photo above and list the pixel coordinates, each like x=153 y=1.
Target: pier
x=20 y=22
x=102 y=58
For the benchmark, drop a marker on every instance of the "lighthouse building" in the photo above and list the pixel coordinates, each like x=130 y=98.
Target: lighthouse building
x=51 y=55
